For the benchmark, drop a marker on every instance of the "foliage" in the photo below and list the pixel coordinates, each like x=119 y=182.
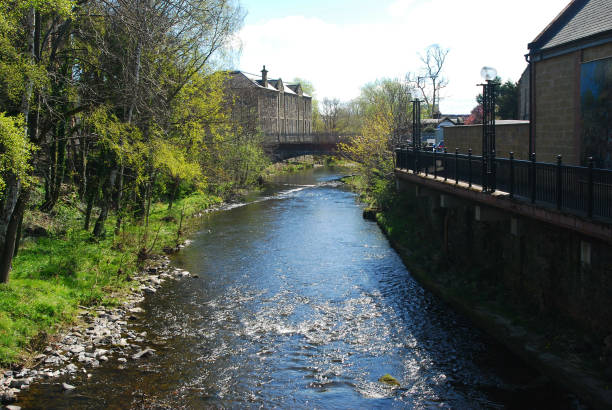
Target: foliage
x=476 y=116
x=506 y=99
x=55 y=275
x=372 y=149
x=119 y=101
x=15 y=151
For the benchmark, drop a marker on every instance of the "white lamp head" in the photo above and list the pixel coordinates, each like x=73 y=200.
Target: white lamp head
x=488 y=73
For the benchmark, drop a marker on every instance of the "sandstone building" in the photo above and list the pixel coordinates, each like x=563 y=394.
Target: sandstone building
x=282 y=111
x=570 y=85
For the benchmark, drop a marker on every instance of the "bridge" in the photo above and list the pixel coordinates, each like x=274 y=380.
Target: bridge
x=280 y=148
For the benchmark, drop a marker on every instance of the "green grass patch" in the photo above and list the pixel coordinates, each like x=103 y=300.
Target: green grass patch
x=52 y=276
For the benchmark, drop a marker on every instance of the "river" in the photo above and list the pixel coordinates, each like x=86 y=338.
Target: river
x=301 y=303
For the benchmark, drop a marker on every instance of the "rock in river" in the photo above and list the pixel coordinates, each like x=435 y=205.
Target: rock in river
x=390 y=380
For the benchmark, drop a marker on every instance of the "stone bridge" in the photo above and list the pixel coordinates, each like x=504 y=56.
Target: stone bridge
x=280 y=148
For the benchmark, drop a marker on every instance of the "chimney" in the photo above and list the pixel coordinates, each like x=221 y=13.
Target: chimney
x=264 y=77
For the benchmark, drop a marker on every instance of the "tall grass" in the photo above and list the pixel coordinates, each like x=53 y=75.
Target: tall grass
x=52 y=276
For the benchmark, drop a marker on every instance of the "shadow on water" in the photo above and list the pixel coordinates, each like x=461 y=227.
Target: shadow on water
x=302 y=303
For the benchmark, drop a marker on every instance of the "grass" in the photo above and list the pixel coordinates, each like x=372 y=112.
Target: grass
x=52 y=276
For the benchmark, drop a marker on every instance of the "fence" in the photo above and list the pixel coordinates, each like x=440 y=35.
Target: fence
x=581 y=190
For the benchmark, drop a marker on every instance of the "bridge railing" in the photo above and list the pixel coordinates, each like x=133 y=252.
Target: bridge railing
x=314 y=138
x=581 y=190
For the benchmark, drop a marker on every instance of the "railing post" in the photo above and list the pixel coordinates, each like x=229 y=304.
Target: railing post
x=445 y=164
x=511 y=174
x=493 y=176
x=435 y=164
x=456 y=166
x=484 y=168
x=532 y=173
x=590 y=192
x=425 y=161
x=470 y=167
x=559 y=181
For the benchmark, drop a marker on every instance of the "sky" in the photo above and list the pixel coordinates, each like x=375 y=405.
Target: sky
x=341 y=45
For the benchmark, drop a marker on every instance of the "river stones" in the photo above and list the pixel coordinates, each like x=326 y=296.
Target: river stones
x=143 y=353
x=389 y=380
x=102 y=333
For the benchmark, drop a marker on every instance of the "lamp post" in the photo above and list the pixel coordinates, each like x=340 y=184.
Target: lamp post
x=488 y=129
x=416 y=132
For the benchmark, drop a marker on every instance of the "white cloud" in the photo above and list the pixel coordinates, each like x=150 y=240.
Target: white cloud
x=400 y=7
x=340 y=58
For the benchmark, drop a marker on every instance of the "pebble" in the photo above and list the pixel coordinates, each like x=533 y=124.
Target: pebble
x=77 y=348
x=143 y=353
x=105 y=327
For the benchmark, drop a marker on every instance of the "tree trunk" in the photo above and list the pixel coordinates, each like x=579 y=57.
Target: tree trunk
x=91 y=197
x=108 y=188
x=58 y=169
x=13 y=203
x=7 y=243
x=18 y=236
x=175 y=188
x=119 y=198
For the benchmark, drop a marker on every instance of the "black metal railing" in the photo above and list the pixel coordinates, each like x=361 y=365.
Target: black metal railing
x=581 y=190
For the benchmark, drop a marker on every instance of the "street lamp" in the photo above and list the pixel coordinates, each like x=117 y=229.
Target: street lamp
x=488 y=128
x=416 y=132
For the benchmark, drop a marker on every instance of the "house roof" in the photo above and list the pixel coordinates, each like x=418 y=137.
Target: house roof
x=273 y=84
x=437 y=121
x=581 y=19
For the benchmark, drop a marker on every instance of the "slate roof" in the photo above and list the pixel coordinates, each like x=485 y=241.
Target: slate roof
x=272 y=83
x=437 y=121
x=579 y=20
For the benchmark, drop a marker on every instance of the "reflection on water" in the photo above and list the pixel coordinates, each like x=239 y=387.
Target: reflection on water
x=302 y=303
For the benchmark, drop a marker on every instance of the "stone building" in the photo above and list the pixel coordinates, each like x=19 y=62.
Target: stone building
x=282 y=111
x=570 y=85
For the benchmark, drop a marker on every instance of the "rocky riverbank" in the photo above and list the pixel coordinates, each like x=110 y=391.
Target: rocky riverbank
x=100 y=335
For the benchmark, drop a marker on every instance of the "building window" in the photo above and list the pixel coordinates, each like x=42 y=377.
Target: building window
x=596 y=109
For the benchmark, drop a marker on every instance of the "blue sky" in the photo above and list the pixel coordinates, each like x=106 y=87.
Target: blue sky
x=340 y=45
x=340 y=11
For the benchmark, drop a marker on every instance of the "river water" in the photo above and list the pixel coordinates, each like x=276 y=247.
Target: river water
x=300 y=303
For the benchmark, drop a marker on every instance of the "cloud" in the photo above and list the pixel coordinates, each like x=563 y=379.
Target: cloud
x=340 y=58
x=400 y=7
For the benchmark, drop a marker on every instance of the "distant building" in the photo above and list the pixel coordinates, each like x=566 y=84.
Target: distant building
x=438 y=125
x=570 y=85
x=282 y=111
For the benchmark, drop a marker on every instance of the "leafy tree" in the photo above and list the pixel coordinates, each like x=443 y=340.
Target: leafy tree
x=113 y=99
x=395 y=96
x=476 y=116
x=506 y=99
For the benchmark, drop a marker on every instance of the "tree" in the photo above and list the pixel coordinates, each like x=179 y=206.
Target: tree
x=506 y=99
x=395 y=95
x=109 y=97
x=476 y=116
x=21 y=75
x=429 y=80
x=330 y=111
